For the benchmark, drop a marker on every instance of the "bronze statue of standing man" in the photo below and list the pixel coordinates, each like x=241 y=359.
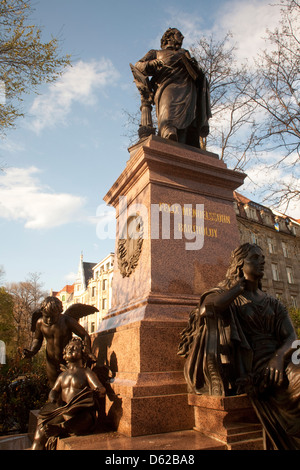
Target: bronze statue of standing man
x=177 y=87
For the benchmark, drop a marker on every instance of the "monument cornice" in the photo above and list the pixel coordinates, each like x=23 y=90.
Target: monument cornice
x=172 y=164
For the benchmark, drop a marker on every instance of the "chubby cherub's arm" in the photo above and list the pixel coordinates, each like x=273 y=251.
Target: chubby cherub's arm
x=55 y=392
x=94 y=382
x=37 y=341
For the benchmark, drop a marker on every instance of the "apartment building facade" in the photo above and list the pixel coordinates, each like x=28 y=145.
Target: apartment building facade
x=92 y=286
x=279 y=237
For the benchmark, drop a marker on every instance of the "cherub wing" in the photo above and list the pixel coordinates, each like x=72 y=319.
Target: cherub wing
x=34 y=318
x=80 y=310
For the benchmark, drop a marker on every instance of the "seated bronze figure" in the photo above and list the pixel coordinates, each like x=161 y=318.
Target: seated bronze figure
x=73 y=406
x=241 y=340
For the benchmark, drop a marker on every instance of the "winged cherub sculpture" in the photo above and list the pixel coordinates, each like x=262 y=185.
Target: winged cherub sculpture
x=58 y=328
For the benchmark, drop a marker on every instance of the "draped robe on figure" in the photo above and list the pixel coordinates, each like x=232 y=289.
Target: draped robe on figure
x=181 y=92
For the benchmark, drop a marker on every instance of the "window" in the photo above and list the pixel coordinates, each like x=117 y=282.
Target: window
x=63 y=298
x=104 y=304
x=92 y=327
x=285 y=249
x=104 y=284
x=271 y=245
x=251 y=212
x=275 y=272
x=290 y=277
x=294 y=301
x=266 y=217
x=254 y=238
x=93 y=291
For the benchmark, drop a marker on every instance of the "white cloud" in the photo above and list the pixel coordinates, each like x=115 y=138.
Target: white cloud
x=260 y=179
x=78 y=84
x=24 y=198
x=71 y=277
x=248 y=21
x=191 y=26
x=10 y=146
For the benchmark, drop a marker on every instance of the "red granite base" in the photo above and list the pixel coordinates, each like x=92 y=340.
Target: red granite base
x=168 y=443
x=230 y=420
x=152 y=297
x=148 y=393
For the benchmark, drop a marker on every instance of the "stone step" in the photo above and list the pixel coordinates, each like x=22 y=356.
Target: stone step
x=241 y=428
x=178 y=440
x=15 y=442
x=247 y=444
x=239 y=433
x=242 y=432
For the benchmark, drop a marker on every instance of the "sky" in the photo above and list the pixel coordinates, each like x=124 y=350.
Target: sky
x=67 y=152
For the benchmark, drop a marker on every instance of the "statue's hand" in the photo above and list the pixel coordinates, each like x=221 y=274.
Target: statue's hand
x=52 y=430
x=92 y=357
x=27 y=353
x=156 y=63
x=53 y=396
x=274 y=372
x=101 y=391
x=241 y=284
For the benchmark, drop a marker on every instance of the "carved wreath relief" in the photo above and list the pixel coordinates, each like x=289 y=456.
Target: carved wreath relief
x=130 y=245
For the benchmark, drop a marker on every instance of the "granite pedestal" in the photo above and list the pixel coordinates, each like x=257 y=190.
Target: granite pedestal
x=167 y=194
x=230 y=420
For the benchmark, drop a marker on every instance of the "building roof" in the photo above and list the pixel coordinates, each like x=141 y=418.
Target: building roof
x=88 y=270
x=243 y=203
x=240 y=198
x=69 y=289
x=104 y=260
x=244 y=200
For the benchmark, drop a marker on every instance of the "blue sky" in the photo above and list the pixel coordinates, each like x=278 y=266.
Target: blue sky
x=65 y=155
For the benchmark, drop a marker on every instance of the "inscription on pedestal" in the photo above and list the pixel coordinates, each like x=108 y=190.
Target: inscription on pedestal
x=197 y=214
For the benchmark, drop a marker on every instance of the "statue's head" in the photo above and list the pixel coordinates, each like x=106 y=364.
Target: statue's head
x=248 y=256
x=172 y=38
x=75 y=350
x=51 y=309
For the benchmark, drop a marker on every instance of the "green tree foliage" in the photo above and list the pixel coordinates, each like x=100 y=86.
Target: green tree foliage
x=295 y=317
x=7 y=330
x=27 y=297
x=23 y=387
x=23 y=382
x=25 y=60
